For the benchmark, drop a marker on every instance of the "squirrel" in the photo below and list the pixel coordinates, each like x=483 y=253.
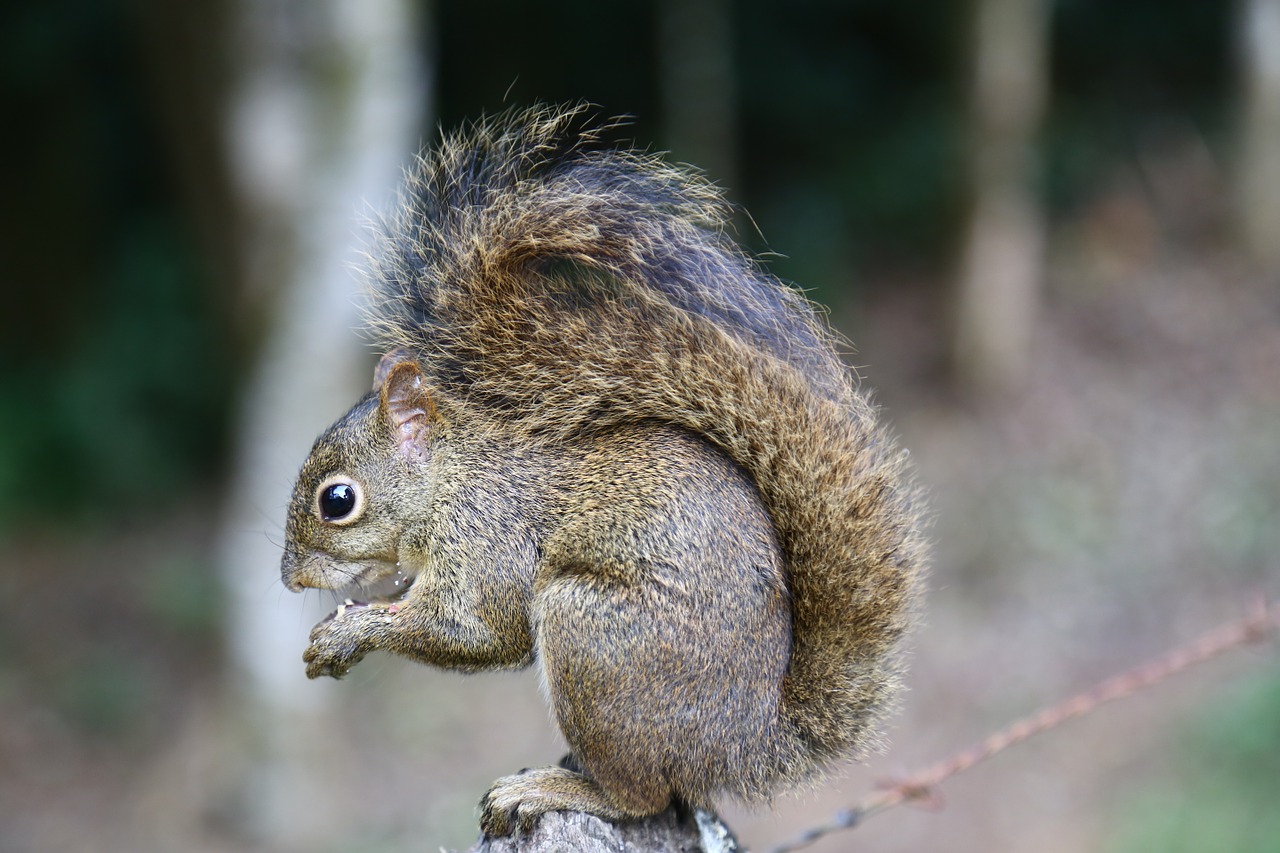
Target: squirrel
x=605 y=442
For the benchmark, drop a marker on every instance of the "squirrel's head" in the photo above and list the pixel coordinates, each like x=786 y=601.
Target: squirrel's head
x=345 y=522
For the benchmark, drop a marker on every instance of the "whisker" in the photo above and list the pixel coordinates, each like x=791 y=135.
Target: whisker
x=277 y=585
x=272 y=518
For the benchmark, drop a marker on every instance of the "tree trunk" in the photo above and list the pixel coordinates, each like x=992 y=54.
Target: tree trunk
x=699 y=99
x=326 y=110
x=1000 y=273
x=1258 y=178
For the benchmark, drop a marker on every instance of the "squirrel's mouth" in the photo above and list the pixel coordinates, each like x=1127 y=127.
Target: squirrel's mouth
x=382 y=583
x=370 y=581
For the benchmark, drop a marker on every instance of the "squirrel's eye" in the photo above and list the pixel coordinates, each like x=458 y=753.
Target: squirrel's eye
x=338 y=501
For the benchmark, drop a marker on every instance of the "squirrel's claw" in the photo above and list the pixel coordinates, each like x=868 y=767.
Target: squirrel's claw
x=504 y=809
x=316 y=669
x=320 y=664
x=336 y=644
x=514 y=803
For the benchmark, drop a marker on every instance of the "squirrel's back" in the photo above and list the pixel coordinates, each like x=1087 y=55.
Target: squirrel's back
x=549 y=287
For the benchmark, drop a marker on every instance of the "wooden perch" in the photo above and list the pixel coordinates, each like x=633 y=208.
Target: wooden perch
x=676 y=830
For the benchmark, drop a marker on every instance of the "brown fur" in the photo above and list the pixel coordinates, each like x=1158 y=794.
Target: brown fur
x=616 y=446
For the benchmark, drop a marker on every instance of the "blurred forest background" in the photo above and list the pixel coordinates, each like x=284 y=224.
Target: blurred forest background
x=1051 y=228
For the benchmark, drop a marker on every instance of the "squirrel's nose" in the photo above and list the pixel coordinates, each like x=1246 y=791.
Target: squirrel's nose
x=292 y=574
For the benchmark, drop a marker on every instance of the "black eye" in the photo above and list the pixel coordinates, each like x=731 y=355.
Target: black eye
x=337 y=501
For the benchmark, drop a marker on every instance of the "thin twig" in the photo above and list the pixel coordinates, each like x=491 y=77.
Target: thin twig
x=1260 y=622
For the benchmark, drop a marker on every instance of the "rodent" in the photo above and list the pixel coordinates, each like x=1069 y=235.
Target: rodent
x=606 y=442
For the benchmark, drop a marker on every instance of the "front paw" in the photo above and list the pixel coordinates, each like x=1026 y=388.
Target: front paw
x=338 y=643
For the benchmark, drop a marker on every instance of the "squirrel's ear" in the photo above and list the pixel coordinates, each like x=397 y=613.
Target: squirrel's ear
x=385 y=364
x=407 y=406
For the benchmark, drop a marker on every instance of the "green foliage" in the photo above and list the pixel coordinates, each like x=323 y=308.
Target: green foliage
x=1222 y=795
x=113 y=386
x=182 y=598
x=851 y=113
x=852 y=132
x=1125 y=73
x=114 y=373
x=128 y=412
x=103 y=694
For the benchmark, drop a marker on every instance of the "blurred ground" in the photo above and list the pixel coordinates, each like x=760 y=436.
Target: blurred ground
x=1124 y=503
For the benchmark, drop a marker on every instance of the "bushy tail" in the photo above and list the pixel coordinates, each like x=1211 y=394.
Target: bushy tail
x=555 y=287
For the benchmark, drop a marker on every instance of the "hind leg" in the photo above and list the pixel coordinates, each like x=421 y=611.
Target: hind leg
x=612 y=771
x=663 y=632
x=514 y=803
